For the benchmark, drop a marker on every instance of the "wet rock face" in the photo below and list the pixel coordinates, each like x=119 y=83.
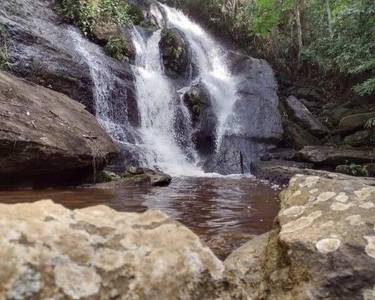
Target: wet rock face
x=324 y=247
x=176 y=52
x=204 y=119
x=44 y=51
x=44 y=134
x=256 y=110
x=48 y=251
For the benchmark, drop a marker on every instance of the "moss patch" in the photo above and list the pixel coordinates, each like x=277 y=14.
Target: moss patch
x=4 y=50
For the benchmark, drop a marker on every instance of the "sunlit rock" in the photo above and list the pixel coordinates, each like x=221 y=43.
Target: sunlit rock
x=323 y=246
x=50 y=252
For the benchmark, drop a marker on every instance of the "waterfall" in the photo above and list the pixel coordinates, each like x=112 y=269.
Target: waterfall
x=156 y=143
x=213 y=71
x=158 y=110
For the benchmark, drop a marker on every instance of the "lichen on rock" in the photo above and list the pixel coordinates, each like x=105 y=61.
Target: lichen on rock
x=50 y=252
x=323 y=246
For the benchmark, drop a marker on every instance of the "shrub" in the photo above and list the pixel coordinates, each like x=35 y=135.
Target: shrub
x=117 y=49
x=86 y=13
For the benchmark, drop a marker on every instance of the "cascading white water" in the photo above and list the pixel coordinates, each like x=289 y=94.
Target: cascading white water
x=102 y=80
x=157 y=108
x=159 y=105
x=213 y=70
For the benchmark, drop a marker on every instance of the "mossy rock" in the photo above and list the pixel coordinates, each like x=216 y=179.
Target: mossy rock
x=4 y=49
x=353 y=170
x=361 y=138
x=175 y=51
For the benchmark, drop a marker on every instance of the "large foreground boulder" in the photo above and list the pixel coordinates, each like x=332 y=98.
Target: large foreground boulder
x=50 y=252
x=323 y=246
x=44 y=134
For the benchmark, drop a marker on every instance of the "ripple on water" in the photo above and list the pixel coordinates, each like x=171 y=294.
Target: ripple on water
x=224 y=212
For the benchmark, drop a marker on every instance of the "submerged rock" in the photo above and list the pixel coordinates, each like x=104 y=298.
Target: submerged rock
x=48 y=251
x=44 y=135
x=146 y=176
x=322 y=248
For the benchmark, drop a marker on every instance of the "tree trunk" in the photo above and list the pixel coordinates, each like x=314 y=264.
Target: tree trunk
x=299 y=31
x=329 y=15
x=275 y=43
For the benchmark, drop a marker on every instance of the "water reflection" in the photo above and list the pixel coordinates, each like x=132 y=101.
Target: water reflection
x=222 y=211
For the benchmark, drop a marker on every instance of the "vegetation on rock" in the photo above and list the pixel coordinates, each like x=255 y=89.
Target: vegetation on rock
x=4 y=50
x=117 y=48
x=102 y=20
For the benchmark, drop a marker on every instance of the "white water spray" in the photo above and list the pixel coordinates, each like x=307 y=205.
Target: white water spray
x=213 y=70
x=157 y=109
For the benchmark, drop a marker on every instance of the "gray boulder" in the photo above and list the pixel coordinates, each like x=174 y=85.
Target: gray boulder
x=296 y=137
x=325 y=155
x=204 y=120
x=355 y=122
x=302 y=116
x=361 y=138
x=176 y=52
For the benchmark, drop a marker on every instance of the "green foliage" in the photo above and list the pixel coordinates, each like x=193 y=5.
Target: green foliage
x=86 y=13
x=352 y=47
x=117 y=49
x=370 y=124
x=356 y=170
x=4 y=50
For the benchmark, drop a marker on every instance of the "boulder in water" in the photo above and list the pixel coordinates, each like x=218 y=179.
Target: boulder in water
x=48 y=251
x=47 y=136
x=146 y=176
x=323 y=246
